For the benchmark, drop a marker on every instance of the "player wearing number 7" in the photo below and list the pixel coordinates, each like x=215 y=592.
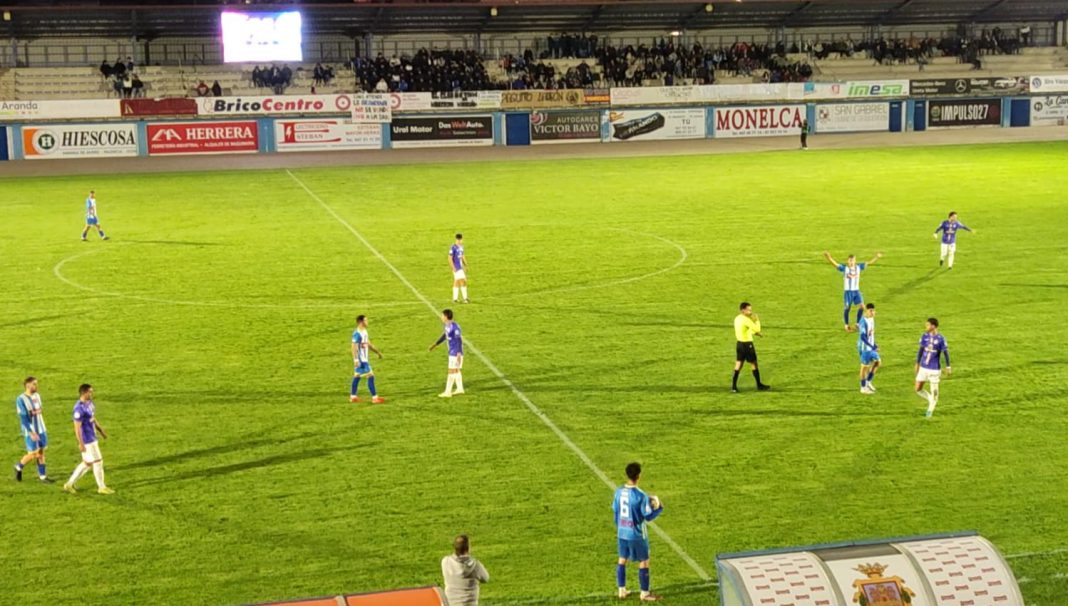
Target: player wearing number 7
x=929 y=365
x=633 y=509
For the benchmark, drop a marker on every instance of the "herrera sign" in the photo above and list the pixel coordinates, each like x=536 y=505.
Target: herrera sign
x=202 y=137
x=759 y=121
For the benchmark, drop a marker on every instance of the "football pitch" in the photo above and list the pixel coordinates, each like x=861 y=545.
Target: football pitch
x=215 y=328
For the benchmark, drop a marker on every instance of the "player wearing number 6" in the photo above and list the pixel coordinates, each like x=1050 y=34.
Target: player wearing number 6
x=633 y=509
x=928 y=364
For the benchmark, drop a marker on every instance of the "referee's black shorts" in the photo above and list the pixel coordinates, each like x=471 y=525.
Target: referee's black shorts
x=745 y=352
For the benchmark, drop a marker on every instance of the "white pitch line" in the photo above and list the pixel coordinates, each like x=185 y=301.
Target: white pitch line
x=704 y=576
x=1036 y=554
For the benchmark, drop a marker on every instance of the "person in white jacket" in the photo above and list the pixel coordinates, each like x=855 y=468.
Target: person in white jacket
x=463 y=574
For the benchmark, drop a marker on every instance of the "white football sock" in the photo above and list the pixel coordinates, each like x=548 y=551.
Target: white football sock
x=463 y=291
x=459 y=381
x=455 y=293
x=79 y=471
x=449 y=383
x=950 y=263
x=98 y=473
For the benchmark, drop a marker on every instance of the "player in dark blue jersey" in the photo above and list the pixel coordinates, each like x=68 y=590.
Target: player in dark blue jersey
x=633 y=510
x=949 y=229
x=929 y=363
x=454 y=384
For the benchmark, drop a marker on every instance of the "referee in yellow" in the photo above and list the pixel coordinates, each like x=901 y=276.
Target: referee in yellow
x=746 y=324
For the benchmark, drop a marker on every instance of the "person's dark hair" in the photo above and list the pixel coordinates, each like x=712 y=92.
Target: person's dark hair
x=743 y=305
x=447 y=313
x=461 y=545
x=933 y=322
x=870 y=306
x=84 y=388
x=459 y=236
x=633 y=471
x=952 y=212
x=29 y=379
x=360 y=318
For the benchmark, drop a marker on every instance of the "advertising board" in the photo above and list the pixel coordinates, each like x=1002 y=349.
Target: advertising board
x=870 y=89
x=442 y=131
x=1051 y=110
x=965 y=112
x=575 y=126
x=274 y=105
x=1049 y=84
x=649 y=124
x=852 y=117
x=372 y=108
x=758 y=121
x=74 y=109
x=158 y=107
x=542 y=99
x=79 y=141
x=202 y=137
x=969 y=86
x=326 y=134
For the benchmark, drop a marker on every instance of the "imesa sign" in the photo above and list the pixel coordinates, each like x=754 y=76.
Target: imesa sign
x=858 y=89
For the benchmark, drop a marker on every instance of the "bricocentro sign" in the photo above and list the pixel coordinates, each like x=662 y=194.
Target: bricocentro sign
x=287 y=104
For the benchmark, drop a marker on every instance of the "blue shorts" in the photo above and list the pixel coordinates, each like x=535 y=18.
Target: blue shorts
x=852 y=297
x=364 y=368
x=635 y=550
x=91 y=221
x=869 y=357
x=32 y=446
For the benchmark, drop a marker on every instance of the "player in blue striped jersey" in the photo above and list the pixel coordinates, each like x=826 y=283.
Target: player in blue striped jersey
x=851 y=274
x=869 y=351
x=34 y=433
x=633 y=510
x=92 y=220
x=361 y=361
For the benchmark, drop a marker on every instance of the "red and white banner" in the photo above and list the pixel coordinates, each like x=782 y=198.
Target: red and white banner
x=319 y=135
x=59 y=110
x=758 y=121
x=852 y=117
x=372 y=107
x=275 y=105
x=202 y=137
x=63 y=141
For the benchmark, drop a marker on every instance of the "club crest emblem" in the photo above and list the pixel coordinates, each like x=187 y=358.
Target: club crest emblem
x=880 y=590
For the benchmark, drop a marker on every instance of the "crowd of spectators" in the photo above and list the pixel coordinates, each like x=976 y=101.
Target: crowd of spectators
x=272 y=77
x=122 y=78
x=920 y=50
x=426 y=71
x=668 y=63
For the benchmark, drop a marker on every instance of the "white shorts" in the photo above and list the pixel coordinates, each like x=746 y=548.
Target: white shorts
x=459 y=275
x=926 y=375
x=456 y=362
x=949 y=249
x=92 y=453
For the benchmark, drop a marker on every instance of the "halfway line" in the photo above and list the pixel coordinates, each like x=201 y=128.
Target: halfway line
x=502 y=377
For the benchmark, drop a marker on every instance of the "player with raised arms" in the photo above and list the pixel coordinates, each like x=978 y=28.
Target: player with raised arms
x=34 y=433
x=851 y=272
x=458 y=265
x=929 y=364
x=949 y=229
x=633 y=510
x=869 y=351
x=361 y=361
x=92 y=220
x=454 y=383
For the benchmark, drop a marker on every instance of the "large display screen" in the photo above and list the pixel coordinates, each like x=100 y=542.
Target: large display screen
x=250 y=37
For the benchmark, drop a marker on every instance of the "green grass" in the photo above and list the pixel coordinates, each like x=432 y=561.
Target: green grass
x=215 y=328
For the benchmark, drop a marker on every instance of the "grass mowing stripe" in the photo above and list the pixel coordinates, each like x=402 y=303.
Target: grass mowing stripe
x=704 y=576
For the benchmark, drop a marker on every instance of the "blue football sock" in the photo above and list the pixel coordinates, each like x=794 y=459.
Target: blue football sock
x=871 y=375
x=621 y=575
x=845 y=316
x=371 y=385
x=860 y=313
x=643 y=578
x=41 y=470
x=102 y=234
x=863 y=383
x=355 y=384
x=19 y=466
